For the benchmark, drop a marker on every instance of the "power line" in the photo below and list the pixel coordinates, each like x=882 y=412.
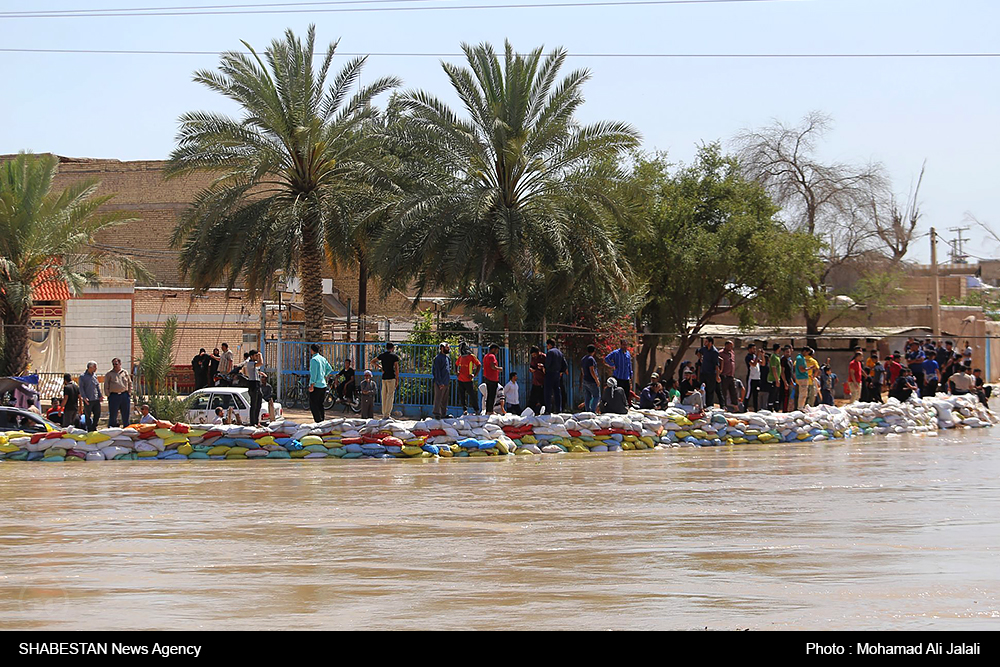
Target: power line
x=35 y=13
x=387 y=54
x=341 y=10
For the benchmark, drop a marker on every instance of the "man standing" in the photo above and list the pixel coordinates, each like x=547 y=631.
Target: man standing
x=468 y=367
x=491 y=377
x=754 y=362
x=802 y=381
x=319 y=370
x=727 y=360
x=591 y=382
x=225 y=361
x=854 y=377
x=390 y=375
x=118 y=389
x=200 y=367
x=710 y=365
x=915 y=359
x=812 y=365
x=620 y=362
x=213 y=366
x=932 y=374
x=442 y=378
x=251 y=368
x=774 y=378
x=90 y=391
x=536 y=363
x=555 y=366
x=70 y=402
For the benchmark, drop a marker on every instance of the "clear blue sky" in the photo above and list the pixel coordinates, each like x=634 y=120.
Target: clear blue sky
x=897 y=111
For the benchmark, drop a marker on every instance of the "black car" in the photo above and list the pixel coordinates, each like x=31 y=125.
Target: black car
x=16 y=419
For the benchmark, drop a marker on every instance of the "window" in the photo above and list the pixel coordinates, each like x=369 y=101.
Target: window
x=221 y=401
x=199 y=402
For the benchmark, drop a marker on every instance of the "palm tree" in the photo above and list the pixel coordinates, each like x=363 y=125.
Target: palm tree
x=509 y=195
x=300 y=147
x=46 y=236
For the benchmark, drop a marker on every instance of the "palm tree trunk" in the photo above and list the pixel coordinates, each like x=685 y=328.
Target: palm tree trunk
x=362 y=286
x=15 y=350
x=310 y=276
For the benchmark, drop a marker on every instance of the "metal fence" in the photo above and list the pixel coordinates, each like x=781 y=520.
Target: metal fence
x=289 y=362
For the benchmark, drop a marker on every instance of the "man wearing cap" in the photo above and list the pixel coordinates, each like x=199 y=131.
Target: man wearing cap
x=442 y=378
x=689 y=390
x=367 y=390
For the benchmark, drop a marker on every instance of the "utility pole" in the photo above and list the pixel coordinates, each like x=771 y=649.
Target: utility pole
x=936 y=304
x=958 y=256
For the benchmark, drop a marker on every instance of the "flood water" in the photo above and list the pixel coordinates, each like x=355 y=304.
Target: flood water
x=897 y=533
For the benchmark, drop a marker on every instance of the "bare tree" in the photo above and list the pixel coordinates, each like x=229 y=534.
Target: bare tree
x=828 y=200
x=896 y=226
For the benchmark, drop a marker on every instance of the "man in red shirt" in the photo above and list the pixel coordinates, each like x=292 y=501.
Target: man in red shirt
x=536 y=364
x=468 y=366
x=854 y=374
x=893 y=368
x=491 y=376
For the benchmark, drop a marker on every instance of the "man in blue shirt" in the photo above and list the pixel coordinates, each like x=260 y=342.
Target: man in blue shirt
x=620 y=361
x=442 y=379
x=319 y=370
x=915 y=360
x=932 y=375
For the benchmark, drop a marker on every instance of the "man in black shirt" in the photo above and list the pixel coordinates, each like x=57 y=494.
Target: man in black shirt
x=788 y=375
x=613 y=399
x=345 y=381
x=390 y=376
x=213 y=366
x=71 y=401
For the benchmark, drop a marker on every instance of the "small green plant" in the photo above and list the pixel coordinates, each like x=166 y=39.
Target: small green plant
x=154 y=368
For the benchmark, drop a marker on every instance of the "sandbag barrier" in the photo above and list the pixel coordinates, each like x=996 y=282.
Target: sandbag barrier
x=495 y=435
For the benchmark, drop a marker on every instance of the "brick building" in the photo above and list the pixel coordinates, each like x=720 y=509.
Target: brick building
x=101 y=321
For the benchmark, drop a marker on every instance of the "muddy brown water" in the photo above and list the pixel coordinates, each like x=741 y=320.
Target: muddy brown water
x=881 y=533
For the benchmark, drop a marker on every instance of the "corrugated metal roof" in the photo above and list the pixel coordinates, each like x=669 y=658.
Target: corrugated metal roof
x=733 y=331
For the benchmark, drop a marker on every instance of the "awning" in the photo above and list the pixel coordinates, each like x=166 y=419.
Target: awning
x=47 y=287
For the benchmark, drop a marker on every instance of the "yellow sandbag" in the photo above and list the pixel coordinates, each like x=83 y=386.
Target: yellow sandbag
x=235 y=456
x=266 y=440
x=478 y=452
x=502 y=448
x=311 y=440
x=185 y=449
x=7 y=448
x=164 y=433
x=218 y=450
x=648 y=440
x=444 y=451
x=426 y=455
x=237 y=450
x=521 y=452
x=96 y=438
x=146 y=455
x=174 y=440
x=682 y=434
x=416 y=442
x=300 y=453
x=529 y=439
x=411 y=450
x=628 y=446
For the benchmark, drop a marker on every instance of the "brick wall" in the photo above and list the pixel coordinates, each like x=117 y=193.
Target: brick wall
x=203 y=321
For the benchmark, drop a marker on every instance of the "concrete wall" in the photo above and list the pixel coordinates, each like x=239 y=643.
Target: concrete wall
x=99 y=328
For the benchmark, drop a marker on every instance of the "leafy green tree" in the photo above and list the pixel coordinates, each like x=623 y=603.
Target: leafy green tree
x=155 y=365
x=47 y=236
x=708 y=242
x=505 y=199
x=282 y=172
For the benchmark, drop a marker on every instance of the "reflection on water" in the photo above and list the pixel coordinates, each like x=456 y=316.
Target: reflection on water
x=888 y=533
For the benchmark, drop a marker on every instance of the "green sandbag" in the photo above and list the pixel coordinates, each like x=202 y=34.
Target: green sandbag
x=279 y=454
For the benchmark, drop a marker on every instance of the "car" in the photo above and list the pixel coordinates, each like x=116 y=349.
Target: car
x=16 y=419
x=203 y=402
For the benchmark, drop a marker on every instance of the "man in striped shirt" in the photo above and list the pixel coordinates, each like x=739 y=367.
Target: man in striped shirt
x=620 y=361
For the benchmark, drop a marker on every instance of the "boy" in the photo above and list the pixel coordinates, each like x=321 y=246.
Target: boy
x=511 y=395
x=219 y=417
x=367 y=390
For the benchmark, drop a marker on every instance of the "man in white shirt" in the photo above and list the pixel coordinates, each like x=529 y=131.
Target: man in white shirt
x=511 y=396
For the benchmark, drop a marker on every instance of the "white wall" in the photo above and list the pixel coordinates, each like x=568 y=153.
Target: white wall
x=98 y=329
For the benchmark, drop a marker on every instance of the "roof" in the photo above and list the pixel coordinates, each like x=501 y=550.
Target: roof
x=759 y=333
x=221 y=390
x=46 y=287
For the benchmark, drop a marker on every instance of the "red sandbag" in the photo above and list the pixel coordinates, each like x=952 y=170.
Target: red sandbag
x=264 y=434
x=180 y=428
x=391 y=441
x=371 y=439
x=351 y=441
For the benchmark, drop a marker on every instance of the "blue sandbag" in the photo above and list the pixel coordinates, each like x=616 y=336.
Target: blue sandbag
x=433 y=449
x=469 y=443
x=197 y=455
x=352 y=455
x=487 y=444
x=353 y=449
